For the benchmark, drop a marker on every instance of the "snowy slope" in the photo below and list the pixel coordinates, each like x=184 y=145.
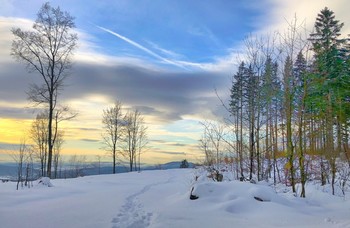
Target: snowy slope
x=161 y=199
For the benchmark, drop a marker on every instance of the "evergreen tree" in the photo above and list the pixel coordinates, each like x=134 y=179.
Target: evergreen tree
x=327 y=32
x=250 y=93
x=184 y=164
x=269 y=105
x=236 y=109
x=300 y=73
x=330 y=81
x=289 y=107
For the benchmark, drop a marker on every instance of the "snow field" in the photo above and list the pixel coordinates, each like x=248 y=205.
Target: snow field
x=161 y=199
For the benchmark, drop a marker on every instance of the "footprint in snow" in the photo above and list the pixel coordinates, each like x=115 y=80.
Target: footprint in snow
x=132 y=214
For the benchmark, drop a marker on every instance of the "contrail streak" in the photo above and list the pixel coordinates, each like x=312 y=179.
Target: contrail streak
x=139 y=46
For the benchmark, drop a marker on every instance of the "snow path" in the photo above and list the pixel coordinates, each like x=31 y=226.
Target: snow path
x=132 y=214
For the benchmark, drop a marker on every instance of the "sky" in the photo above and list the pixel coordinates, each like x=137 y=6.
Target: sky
x=165 y=58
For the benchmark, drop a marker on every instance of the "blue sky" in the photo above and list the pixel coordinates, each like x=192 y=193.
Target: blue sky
x=195 y=31
x=165 y=58
x=187 y=30
x=190 y=31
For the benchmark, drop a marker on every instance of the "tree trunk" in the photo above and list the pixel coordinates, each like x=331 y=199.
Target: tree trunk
x=251 y=147
x=241 y=138
x=301 y=153
x=50 y=142
x=268 y=154
x=290 y=150
x=114 y=151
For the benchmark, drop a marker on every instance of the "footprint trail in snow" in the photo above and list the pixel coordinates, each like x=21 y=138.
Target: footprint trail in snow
x=132 y=214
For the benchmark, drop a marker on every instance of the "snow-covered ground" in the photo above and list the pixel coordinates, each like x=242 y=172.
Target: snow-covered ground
x=161 y=199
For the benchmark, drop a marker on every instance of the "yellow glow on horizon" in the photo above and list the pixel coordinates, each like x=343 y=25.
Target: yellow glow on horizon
x=82 y=137
x=170 y=141
x=13 y=130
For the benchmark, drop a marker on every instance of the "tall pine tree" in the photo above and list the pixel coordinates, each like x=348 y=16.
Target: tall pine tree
x=328 y=82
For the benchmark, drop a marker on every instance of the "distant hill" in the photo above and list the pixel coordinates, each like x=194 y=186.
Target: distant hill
x=175 y=165
x=10 y=169
x=123 y=169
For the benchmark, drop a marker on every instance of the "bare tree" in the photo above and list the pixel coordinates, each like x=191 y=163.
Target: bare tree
x=134 y=137
x=291 y=45
x=57 y=152
x=20 y=157
x=204 y=144
x=142 y=143
x=29 y=167
x=215 y=133
x=47 y=50
x=112 y=120
x=76 y=164
x=39 y=135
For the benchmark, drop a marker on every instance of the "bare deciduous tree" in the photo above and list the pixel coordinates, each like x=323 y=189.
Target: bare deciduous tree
x=39 y=135
x=29 y=172
x=20 y=157
x=112 y=120
x=47 y=50
x=57 y=152
x=134 y=137
x=291 y=45
x=76 y=164
x=142 y=143
x=215 y=133
x=204 y=145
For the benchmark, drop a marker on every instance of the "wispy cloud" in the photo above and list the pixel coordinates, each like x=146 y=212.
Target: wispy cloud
x=171 y=153
x=139 y=46
x=89 y=140
x=204 y=31
x=178 y=144
x=87 y=129
x=166 y=52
